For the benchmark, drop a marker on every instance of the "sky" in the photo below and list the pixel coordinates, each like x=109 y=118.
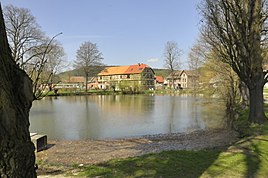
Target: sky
x=125 y=31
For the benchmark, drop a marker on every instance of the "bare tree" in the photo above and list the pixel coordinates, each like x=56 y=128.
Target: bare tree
x=31 y=49
x=196 y=59
x=236 y=30
x=87 y=56
x=17 y=158
x=56 y=58
x=24 y=33
x=197 y=55
x=172 y=55
x=42 y=67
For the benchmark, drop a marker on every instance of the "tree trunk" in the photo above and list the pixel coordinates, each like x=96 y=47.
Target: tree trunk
x=17 y=158
x=86 y=81
x=244 y=94
x=172 y=78
x=256 y=102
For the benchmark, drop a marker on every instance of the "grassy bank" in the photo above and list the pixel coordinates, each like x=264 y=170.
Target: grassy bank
x=246 y=158
x=80 y=93
x=109 y=92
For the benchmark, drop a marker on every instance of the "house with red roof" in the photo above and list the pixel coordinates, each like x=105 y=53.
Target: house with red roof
x=133 y=77
x=159 y=82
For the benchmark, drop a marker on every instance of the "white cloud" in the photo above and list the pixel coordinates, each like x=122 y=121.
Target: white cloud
x=152 y=60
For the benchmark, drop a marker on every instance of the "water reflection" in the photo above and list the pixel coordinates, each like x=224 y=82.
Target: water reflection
x=117 y=116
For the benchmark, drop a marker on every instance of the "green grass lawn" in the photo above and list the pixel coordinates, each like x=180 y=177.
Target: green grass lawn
x=246 y=158
x=165 y=164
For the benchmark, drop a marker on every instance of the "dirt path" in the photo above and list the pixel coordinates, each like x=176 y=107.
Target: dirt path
x=84 y=152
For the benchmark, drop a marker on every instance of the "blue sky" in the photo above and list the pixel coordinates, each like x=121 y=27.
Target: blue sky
x=126 y=31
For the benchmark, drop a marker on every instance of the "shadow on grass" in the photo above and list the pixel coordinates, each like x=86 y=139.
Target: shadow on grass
x=49 y=171
x=253 y=151
x=252 y=160
x=247 y=158
x=165 y=164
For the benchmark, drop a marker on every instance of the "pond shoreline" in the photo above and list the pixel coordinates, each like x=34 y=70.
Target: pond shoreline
x=110 y=92
x=66 y=154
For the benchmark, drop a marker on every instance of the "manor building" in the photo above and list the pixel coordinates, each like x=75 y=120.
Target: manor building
x=134 y=77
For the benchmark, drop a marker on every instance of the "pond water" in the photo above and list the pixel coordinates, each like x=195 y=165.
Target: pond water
x=120 y=116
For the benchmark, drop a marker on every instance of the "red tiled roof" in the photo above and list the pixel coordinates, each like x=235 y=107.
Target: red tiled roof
x=159 y=79
x=132 y=69
x=136 y=69
x=114 y=70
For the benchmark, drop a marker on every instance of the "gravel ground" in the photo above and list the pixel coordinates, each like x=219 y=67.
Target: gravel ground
x=84 y=152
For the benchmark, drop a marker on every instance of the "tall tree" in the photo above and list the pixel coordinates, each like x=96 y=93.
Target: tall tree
x=31 y=49
x=87 y=56
x=196 y=59
x=17 y=158
x=197 y=54
x=47 y=61
x=172 y=55
x=24 y=33
x=235 y=30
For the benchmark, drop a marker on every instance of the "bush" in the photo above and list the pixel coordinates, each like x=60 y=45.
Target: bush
x=245 y=128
